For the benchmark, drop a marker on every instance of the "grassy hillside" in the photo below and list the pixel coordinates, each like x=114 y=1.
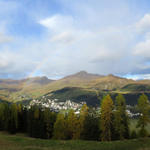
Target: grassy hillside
x=136 y=87
x=21 y=142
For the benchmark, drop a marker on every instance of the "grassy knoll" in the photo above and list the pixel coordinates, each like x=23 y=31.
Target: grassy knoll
x=20 y=142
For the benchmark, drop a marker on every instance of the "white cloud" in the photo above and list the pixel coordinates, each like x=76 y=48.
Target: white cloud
x=71 y=48
x=143 y=25
x=143 y=49
x=57 y=23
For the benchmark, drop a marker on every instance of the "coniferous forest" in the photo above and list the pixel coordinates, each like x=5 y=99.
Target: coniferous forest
x=111 y=122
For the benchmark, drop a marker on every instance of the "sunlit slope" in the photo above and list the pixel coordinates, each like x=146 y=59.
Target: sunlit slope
x=17 y=89
x=88 y=81
x=79 y=85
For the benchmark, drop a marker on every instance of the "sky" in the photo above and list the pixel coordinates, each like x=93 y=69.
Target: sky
x=55 y=38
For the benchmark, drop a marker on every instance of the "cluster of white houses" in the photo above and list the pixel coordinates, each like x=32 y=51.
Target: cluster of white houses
x=57 y=105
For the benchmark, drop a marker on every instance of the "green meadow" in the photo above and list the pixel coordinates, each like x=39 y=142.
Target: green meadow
x=22 y=142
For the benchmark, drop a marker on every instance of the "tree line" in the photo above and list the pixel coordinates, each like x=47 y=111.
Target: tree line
x=111 y=122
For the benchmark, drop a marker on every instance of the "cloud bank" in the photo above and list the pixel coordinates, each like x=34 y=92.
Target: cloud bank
x=71 y=37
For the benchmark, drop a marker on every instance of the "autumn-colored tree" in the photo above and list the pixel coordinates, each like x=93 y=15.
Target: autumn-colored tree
x=60 y=127
x=121 y=118
x=106 y=118
x=82 y=118
x=72 y=124
x=144 y=109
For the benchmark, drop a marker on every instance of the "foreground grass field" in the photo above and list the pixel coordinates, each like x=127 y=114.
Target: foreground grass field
x=21 y=142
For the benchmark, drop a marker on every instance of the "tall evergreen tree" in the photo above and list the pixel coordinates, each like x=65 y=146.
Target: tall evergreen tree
x=121 y=118
x=144 y=119
x=106 y=118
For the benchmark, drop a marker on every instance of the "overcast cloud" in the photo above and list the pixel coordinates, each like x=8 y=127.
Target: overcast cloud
x=58 y=38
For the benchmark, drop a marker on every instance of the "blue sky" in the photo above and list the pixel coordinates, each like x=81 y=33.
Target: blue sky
x=56 y=38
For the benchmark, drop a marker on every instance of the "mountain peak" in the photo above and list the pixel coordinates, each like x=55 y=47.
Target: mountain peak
x=82 y=73
x=110 y=75
x=114 y=76
x=39 y=80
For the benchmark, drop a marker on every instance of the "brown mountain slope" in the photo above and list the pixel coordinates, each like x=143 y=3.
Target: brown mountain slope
x=37 y=86
x=110 y=82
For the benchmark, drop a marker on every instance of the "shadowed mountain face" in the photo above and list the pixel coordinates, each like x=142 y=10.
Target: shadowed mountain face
x=77 y=87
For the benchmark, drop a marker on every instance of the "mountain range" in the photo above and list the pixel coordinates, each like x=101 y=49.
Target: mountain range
x=81 y=86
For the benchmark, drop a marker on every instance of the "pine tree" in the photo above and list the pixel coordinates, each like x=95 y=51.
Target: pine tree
x=121 y=118
x=144 y=108
x=106 y=118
